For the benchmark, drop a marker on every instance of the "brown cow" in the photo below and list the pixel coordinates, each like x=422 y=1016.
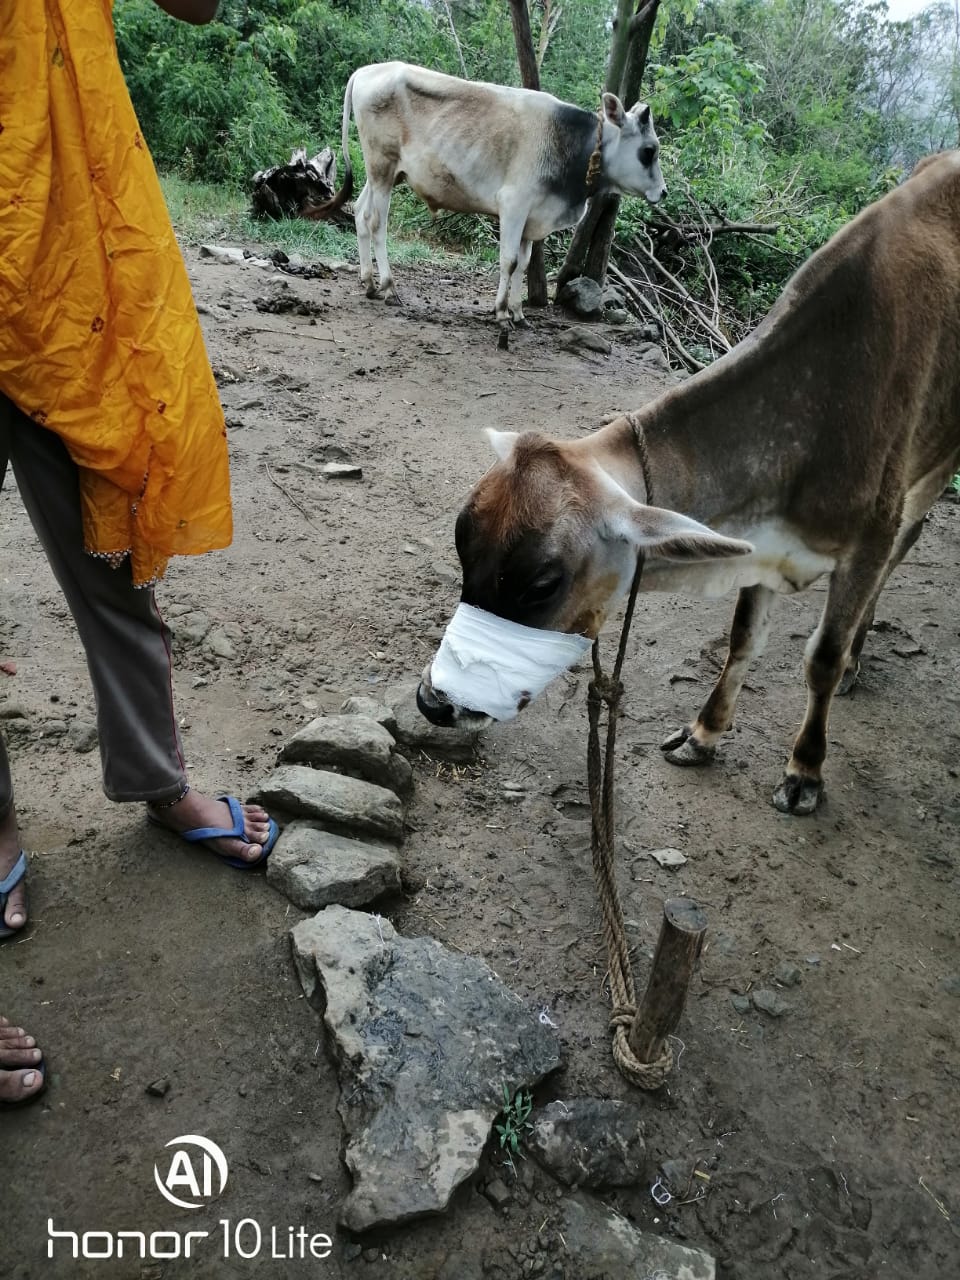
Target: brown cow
x=821 y=441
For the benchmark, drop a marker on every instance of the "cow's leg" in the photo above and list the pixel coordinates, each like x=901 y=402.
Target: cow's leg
x=379 y=212
x=512 y=223
x=515 y=300
x=905 y=541
x=696 y=743
x=854 y=586
x=362 y=219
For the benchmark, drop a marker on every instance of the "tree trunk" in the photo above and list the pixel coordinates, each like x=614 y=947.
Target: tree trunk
x=589 y=251
x=530 y=76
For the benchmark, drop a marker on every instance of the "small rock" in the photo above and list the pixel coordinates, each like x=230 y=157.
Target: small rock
x=219 y=644
x=82 y=736
x=769 y=1002
x=414 y=730
x=191 y=628
x=372 y=709
x=579 y=338
x=950 y=984
x=741 y=1004
x=222 y=253
x=601 y=1243
x=315 y=868
x=813 y=961
x=158 y=1088
x=351 y=1252
x=582 y=296
x=371 y=1255
x=12 y=711
x=590 y=1142
x=341 y=471
x=53 y=728
x=354 y=744
x=497 y=1193
x=668 y=857
x=332 y=797
x=788 y=974
x=616 y=315
x=612 y=296
x=654 y=356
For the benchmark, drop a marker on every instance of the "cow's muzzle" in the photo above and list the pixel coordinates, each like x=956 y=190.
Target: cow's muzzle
x=437 y=709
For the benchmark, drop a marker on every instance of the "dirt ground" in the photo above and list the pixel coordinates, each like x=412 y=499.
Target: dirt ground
x=829 y=1134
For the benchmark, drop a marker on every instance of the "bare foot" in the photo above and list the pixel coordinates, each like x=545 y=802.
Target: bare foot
x=15 y=913
x=19 y=1052
x=197 y=810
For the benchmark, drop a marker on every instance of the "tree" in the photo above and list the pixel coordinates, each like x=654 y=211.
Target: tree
x=589 y=251
x=530 y=76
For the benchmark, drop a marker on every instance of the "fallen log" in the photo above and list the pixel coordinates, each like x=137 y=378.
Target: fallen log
x=287 y=189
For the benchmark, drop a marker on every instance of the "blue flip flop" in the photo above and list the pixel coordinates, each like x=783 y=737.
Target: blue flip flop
x=9 y=882
x=199 y=835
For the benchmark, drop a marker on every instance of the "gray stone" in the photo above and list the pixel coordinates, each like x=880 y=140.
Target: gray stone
x=82 y=736
x=354 y=744
x=53 y=728
x=654 y=356
x=590 y=1142
x=616 y=315
x=579 y=338
x=425 y=1041
x=315 y=868
x=788 y=974
x=582 y=296
x=612 y=296
x=602 y=1243
x=372 y=709
x=671 y=858
x=950 y=984
x=497 y=1192
x=741 y=1004
x=413 y=729
x=191 y=628
x=331 y=797
x=219 y=643
x=769 y=1002
x=13 y=711
x=341 y=471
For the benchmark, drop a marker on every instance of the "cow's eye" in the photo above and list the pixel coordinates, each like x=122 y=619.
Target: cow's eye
x=540 y=590
x=648 y=155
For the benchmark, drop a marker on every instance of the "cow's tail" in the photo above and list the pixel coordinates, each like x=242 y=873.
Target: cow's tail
x=320 y=212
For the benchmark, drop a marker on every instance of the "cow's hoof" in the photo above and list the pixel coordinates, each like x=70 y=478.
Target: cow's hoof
x=683 y=749
x=848 y=682
x=373 y=293
x=393 y=299
x=521 y=322
x=797 y=795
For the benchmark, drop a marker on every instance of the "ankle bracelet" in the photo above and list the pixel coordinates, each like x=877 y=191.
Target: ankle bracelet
x=168 y=804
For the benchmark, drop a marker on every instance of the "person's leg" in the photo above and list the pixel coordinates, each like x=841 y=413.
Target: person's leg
x=127 y=649
x=19 y=1058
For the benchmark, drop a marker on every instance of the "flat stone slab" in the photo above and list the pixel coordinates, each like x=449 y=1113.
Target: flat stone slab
x=425 y=1039
x=356 y=744
x=590 y=1142
x=334 y=798
x=413 y=729
x=315 y=868
x=600 y=1243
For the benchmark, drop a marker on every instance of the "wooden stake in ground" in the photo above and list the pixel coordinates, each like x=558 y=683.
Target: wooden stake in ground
x=678 y=950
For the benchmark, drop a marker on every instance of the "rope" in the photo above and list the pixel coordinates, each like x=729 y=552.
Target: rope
x=608 y=691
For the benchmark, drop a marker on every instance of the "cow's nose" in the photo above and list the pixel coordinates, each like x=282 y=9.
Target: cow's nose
x=436 y=709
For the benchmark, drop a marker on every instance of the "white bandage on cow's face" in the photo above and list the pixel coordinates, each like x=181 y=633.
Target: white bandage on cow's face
x=496 y=667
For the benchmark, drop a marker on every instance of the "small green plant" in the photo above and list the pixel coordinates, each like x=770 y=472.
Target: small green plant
x=515 y=1124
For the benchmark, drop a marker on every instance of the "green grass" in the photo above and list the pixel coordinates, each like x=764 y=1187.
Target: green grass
x=204 y=213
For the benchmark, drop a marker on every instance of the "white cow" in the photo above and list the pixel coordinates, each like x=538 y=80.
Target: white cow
x=524 y=156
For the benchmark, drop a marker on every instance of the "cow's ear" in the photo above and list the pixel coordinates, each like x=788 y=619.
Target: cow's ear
x=667 y=535
x=502 y=441
x=642 y=113
x=613 y=110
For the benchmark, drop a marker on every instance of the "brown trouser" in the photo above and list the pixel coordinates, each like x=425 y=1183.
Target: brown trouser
x=125 y=640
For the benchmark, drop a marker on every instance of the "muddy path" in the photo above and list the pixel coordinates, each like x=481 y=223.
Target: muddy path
x=829 y=1133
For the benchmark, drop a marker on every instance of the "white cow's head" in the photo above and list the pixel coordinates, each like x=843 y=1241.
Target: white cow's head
x=630 y=154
